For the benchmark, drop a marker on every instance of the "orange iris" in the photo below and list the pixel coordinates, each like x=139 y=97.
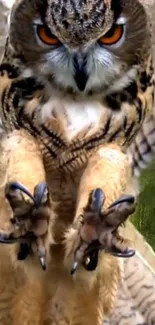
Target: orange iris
x=46 y=36
x=112 y=36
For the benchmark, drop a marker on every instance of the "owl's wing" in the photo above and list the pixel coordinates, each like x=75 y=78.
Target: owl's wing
x=136 y=297
x=140 y=282
x=142 y=150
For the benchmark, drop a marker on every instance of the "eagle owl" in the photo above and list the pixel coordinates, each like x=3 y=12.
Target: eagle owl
x=76 y=85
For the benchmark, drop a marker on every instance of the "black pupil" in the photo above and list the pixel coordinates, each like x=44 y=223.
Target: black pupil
x=48 y=33
x=110 y=32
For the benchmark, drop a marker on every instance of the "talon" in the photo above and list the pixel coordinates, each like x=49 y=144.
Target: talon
x=126 y=198
x=91 y=260
x=125 y=254
x=28 y=220
x=8 y=240
x=100 y=230
x=74 y=267
x=40 y=192
x=23 y=252
x=87 y=260
x=98 y=198
x=17 y=186
x=95 y=245
x=42 y=260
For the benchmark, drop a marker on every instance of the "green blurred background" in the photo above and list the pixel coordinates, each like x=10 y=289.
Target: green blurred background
x=144 y=219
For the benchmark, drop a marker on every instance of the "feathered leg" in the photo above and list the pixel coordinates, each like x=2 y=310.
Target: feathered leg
x=98 y=214
x=24 y=187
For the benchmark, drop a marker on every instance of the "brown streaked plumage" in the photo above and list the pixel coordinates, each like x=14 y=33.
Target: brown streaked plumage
x=71 y=107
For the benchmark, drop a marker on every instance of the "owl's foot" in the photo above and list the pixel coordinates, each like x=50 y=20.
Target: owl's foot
x=29 y=221
x=99 y=230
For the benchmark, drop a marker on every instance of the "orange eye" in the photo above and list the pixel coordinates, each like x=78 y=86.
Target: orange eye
x=46 y=36
x=113 y=35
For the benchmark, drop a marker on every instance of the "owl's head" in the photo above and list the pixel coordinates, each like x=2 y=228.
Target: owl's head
x=84 y=46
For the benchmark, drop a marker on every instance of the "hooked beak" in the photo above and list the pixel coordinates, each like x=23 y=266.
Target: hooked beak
x=80 y=75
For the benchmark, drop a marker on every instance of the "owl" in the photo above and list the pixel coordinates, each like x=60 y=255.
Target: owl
x=76 y=85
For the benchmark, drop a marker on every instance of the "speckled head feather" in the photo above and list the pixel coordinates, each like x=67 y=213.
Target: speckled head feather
x=79 y=61
x=82 y=20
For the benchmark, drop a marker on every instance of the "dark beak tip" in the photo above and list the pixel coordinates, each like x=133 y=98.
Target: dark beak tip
x=80 y=76
x=81 y=81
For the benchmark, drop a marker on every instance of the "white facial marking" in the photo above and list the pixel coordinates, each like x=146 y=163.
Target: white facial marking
x=121 y=20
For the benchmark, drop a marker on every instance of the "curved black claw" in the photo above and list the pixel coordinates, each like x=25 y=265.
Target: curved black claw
x=12 y=240
x=126 y=254
x=41 y=192
x=124 y=199
x=24 y=251
x=91 y=257
x=96 y=246
x=9 y=240
x=74 y=267
x=42 y=260
x=91 y=260
x=17 y=186
x=97 y=200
